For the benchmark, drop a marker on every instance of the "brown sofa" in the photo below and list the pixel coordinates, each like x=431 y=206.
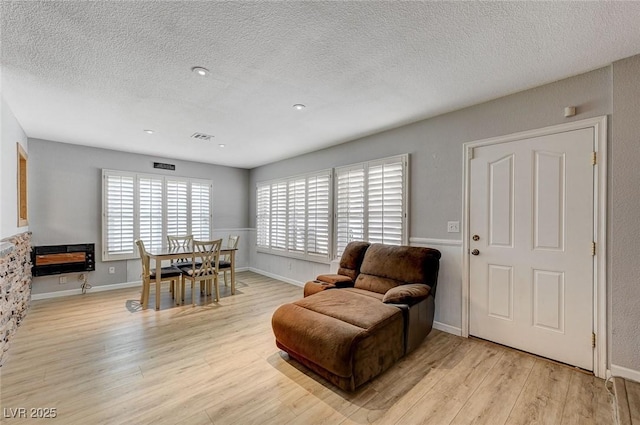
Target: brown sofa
x=351 y=332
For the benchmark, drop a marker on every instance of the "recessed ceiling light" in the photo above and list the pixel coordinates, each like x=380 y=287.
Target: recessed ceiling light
x=221 y=145
x=299 y=106
x=148 y=131
x=203 y=72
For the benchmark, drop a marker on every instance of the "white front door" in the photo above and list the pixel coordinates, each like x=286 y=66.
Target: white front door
x=532 y=227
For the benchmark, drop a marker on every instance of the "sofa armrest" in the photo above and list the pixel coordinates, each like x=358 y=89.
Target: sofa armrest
x=409 y=294
x=340 y=281
x=315 y=286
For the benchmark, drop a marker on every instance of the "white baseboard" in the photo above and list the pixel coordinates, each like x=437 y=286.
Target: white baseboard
x=626 y=373
x=447 y=328
x=278 y=277
x=101 y=288
x=78 y=291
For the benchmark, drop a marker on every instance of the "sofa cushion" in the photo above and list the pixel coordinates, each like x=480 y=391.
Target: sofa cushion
x=352 y=259
x=385 y=267
x=336 y=279
x=323 y=339
x=363 y=311
x=409 y=294
x=365 y=293
x=351 y=336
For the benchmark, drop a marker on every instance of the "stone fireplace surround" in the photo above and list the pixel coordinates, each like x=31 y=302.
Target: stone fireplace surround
x=15 y=286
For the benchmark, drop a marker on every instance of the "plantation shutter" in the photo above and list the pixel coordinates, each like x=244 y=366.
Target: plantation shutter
x=150 y=211
x=177 y=210
x=150 y=207
x=318 y=214
x=263 y=206
x=119 y=214
x=350 y=204
x=279 y=215
x=201 y=211
x=386 y=202
x=296 y=213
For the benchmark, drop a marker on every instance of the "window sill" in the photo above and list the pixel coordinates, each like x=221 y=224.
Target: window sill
x=302 y=257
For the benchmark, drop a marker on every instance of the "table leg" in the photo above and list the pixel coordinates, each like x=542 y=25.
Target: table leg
x=233 y=272
x=158 y=280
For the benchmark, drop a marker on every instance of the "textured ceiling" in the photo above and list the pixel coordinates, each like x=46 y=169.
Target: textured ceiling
x=98 y=73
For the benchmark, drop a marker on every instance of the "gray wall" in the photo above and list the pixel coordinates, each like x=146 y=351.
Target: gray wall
x=624 y=215
x=10 y=133
x=65 y=199
x=435 y=146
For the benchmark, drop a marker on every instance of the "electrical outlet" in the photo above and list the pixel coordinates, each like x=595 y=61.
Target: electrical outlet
x=112 y=270
x=453 y=226
x=62 y=279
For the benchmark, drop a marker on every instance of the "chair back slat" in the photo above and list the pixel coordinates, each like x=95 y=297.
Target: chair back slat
x=179 y=242
x=231 y=243
x=144 y=256
x=184 y=241
x=208 y=254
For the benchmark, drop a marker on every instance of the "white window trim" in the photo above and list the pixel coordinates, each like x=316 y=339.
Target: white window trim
x=136 y=208
x=319 y=258
x=404 y=158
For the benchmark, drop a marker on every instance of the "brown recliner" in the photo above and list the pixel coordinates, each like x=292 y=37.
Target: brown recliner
x=350 y=335
x=348 y=271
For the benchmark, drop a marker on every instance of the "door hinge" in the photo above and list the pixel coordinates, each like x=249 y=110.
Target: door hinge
x=593 y=249
x=593 y=340
x=594 y=159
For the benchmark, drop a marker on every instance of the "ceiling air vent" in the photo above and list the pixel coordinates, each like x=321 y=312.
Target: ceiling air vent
x=201 y=136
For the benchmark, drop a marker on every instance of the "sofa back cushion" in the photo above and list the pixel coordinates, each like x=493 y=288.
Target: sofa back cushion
x=352 y=259
x=387 y=266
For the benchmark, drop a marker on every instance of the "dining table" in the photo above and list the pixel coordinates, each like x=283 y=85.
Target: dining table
x=180 y=253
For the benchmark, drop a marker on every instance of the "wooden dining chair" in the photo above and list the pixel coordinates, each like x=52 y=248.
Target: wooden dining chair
x=225 y=259
x=168 y=274
x=204 y=267
x=180 y=242
x=184 y=242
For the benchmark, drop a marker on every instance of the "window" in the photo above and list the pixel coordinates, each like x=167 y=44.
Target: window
x=293 y=216
x=150 y=207
x=371 y=199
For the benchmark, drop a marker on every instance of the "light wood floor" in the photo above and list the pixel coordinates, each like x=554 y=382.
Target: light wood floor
x=99 y=359
x=628 y=401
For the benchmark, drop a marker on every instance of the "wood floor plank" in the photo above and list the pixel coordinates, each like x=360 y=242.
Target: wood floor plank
x=200 y=418
x=100 y=359
x=493 y=400
x=443 y=402
x=398 y=391
x=633 y=397
x=544 y=395
x=622 y=401
x=588 y=403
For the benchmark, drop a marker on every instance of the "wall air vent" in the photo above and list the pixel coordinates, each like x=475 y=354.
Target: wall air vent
x=201 y=136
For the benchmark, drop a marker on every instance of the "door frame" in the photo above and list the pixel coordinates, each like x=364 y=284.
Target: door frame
x=599 y=125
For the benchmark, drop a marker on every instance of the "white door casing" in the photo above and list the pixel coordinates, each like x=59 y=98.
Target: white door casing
x=536 y=203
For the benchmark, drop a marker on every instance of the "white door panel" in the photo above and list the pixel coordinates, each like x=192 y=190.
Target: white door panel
x=531 y=284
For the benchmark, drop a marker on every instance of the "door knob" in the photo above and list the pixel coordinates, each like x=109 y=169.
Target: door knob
x=476 y=238
x=475 y=252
